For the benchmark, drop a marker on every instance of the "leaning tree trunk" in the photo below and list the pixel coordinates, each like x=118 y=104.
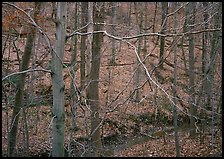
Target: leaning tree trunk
x=57 y=82
x=20 y=84
x=93 y=89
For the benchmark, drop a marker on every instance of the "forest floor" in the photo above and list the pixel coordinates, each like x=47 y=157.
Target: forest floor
x=116 y=82
x=129 y=144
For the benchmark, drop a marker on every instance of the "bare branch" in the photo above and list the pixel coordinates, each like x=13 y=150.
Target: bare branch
x=145 y=34
x=22 y=72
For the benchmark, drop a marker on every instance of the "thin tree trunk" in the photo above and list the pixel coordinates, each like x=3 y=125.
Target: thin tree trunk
x=191 y=19
x=137 y=76
x=163 y=28
x=174 y=90
x=204 y=66
x=20 y=85
x=215 y=44
x=73 y=65
x=154 y=18
x=113 y=21
x=90 y=39
x=129 y=14
x=26 y=133
x=182 y=43
x=58 y=84
x=73 y=90
x=84 y=17
x=145 y=38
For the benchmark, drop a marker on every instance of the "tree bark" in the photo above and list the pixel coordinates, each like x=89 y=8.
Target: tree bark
x=190 y=22
x=163 y=28
x=175 y=91
x=138 y=71
x=84 y=17
x=73 y=90
x=113 y=21
x=93 y=89
x=21 y=83
x=57 y=82
x=90 y=39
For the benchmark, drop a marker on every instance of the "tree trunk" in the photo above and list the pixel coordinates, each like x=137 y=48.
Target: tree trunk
x=154 y=18
x=204 y=67
x=73 y=90
x=138 y=71
x=20 y=84
x=145 y=26
x=190 y=21
x=84 y=17
x=57 y=82
x=163 y=28
x=93 y=89
x=90 y=39
x=174 y=89
x=129 y=13
x=113 y=21
x=74 y=66
x=182 y=43
x=215 y=45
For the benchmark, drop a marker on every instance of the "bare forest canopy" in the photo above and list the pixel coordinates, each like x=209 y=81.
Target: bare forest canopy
x=84 y=79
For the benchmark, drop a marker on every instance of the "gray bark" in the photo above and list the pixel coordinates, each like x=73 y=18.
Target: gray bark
x=57 y=81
